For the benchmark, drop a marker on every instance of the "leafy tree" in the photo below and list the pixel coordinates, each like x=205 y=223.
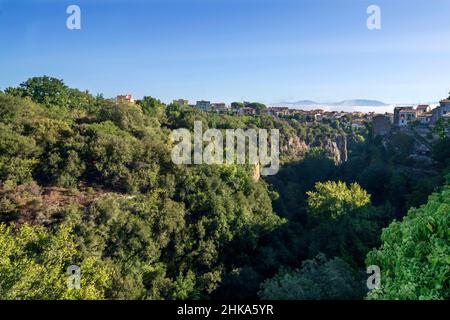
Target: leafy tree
x=237 y=105
x=332 y=200
x=415 y=255
x=18 y=156
x=34 y=264
x=153 y=107
x=440 y=129
x=53 y=93
x=318 y=279
x=255 y=105
x=48 y=91
x=131 y=233
x=375 y=178
x=403 y=145
x=350 y=237
x=295 y=179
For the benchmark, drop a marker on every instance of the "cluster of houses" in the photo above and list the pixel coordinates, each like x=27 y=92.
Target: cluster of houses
x=247 y=108
x=402 y=117
x=422 y=114
x=405 y=116
x=244 y=108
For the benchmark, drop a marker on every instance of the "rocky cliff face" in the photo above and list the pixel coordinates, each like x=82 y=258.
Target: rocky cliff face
x=336 y=147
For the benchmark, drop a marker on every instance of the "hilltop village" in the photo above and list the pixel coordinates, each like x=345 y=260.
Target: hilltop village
x=422 y=124
x=420 y=116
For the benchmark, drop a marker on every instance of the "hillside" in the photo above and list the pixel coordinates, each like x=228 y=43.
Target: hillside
x=89 y=181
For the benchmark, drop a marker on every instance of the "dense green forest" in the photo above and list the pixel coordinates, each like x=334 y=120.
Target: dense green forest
x=87 y=181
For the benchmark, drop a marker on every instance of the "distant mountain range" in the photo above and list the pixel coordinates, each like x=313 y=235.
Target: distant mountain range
x=362 y=105
x=345 y=103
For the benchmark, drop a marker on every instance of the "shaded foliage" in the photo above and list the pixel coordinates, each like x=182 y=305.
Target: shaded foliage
x=97 y=176
x=318 y=279
x=415 y=255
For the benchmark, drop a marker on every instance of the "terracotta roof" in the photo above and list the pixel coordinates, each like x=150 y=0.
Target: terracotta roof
x=445 y=101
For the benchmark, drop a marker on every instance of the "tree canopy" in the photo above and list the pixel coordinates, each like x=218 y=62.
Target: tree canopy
x=34 y=264
x=87 y=181
x=335 y=199
x=318 y=279
x=415 y=254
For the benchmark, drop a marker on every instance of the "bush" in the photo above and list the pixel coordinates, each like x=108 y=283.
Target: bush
x=414 y=258
x=34 y=261
x=318 y=279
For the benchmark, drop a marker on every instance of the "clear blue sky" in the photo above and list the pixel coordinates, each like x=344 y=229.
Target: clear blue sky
x=226 y=50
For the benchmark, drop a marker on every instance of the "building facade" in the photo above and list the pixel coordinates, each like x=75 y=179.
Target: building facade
x=423 y=108
x=425 y=118
x=442 y=111
x=203 y=105
x=219 y=107
x=407 y=116
x=247 y=111
x=127 y=98
x=278 y=111
x=381 y=125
